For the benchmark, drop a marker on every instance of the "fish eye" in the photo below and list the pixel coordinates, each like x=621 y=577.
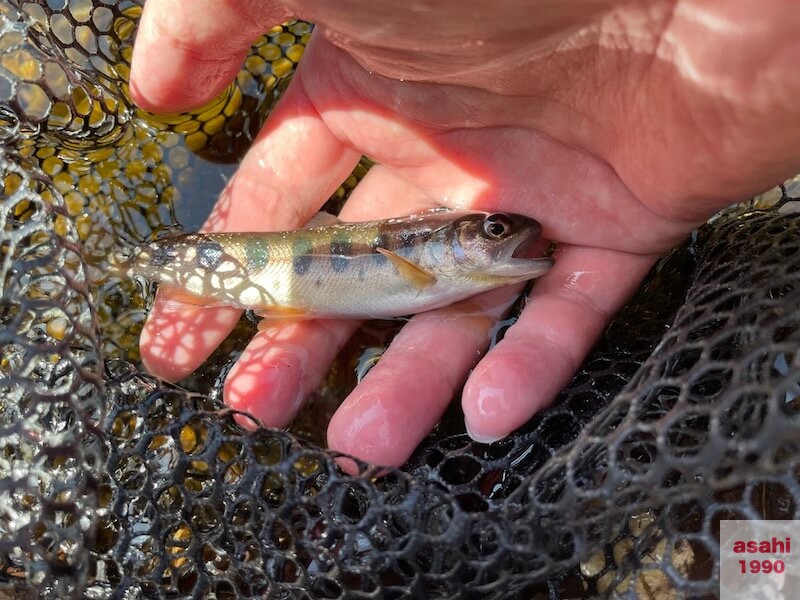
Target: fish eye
x=496 y=226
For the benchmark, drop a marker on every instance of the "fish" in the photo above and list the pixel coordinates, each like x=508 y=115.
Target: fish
x=330 y=269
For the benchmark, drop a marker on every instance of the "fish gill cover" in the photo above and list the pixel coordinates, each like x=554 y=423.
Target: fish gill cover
x=114 y=484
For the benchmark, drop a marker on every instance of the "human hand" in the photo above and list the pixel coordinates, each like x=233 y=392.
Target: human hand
x=619 y=127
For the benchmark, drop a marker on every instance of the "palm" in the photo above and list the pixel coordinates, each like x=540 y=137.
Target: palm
x=592 y=172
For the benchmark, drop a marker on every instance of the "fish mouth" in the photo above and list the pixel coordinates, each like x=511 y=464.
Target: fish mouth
x=517 y=264
x=527 y=239
x=524 y=247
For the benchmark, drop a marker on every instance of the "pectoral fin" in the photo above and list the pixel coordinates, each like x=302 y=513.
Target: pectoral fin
x=418 y=276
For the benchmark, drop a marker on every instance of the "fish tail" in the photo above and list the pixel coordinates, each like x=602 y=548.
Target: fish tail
x=120 y=258
x=120 y=261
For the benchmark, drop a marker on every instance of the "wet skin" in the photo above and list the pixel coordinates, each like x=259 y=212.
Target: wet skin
x=618 y=127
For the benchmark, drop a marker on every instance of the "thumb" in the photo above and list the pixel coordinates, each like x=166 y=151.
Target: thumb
x=187 y=52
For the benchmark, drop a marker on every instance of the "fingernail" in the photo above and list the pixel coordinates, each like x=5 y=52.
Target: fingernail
x=481 y=438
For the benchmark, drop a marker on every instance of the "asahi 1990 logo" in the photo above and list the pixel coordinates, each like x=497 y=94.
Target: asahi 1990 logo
x=769 y=547
x=759 y=559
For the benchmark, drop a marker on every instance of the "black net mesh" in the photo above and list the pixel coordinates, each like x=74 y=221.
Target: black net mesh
x=114 y=484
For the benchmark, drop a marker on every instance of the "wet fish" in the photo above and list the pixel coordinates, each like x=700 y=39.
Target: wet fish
x=375 y=269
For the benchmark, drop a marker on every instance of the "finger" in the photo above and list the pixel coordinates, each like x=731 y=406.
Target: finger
x=187 y=52
x=566 y=312
x=284 y=363
x=176 y=339
x=407 y=391
x=270 y=191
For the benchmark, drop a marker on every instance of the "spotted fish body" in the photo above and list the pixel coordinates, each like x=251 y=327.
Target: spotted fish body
x=373 y=269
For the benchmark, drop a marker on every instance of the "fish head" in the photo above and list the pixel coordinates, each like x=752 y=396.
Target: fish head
x=496 y=245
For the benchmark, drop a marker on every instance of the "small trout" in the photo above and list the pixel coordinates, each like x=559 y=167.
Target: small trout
x=376 y=269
